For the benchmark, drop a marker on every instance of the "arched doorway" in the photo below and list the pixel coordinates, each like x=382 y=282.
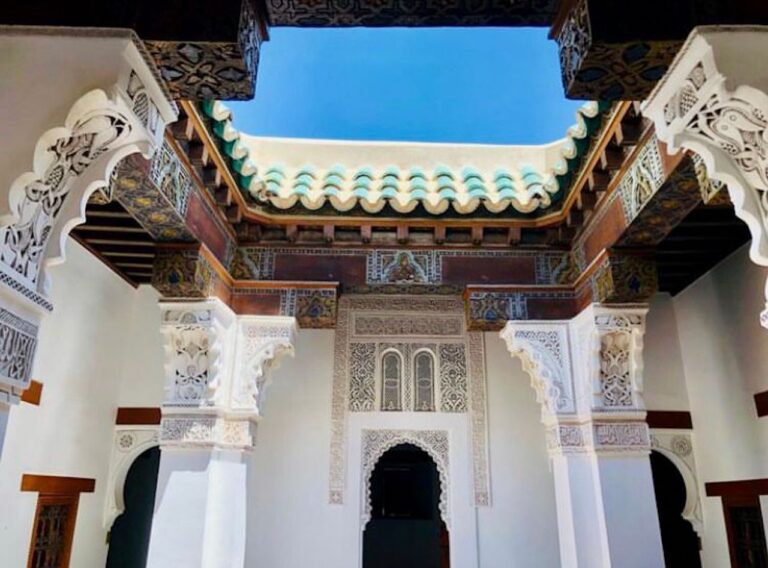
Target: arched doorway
x=129 y=537
x=680 y=542
x=405 y=529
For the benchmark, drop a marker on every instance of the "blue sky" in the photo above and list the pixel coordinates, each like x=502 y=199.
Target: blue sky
x=472 y=85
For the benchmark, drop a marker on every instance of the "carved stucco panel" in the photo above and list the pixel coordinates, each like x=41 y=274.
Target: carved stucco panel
x=367 y=326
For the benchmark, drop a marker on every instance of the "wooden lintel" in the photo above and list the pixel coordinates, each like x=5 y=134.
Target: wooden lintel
x=54 y=485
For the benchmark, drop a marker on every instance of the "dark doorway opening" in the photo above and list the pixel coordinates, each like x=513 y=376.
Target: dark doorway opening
x=129 y=537
x=680 y=541
x=405 y=529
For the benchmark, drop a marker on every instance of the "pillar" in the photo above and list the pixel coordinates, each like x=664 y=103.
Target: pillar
x=713 y=101
x=217 y=370
x=100 y=101
x=587 y=373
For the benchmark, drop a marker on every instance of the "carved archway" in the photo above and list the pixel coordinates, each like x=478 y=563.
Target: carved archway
x=376 y=443
x=128 y=445
x=677 y=448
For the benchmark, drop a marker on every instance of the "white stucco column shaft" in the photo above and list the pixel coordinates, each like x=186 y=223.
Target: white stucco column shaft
x=216 y=373
x=587 y=373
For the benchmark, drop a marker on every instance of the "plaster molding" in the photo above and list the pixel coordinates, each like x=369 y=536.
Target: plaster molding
x=545 y=354
x=369 y=326
x=262 y=342
x=702 y=105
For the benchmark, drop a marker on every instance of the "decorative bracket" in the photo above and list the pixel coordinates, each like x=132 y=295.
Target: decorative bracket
x=545 y=354
x=703 y=104
x=42 y=206
x=262 y=342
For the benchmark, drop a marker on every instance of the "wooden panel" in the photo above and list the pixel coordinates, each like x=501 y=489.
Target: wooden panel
x=201 y=223
x=256 y=304
x=33 y=394
x=761 y=403
x=489 y=270
x=610 y=228
x=53 y=485
x=679 y=419
x=349 y=269
x=551 y=309
x=138 y=415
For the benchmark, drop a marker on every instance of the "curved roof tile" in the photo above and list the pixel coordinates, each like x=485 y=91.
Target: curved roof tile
x=523 y=187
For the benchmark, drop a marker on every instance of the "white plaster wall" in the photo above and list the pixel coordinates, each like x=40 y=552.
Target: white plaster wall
x=725 y=355
x=144 y=359
x=291 y=524
x=520 y=528
x=663 y=372
x=80 y=356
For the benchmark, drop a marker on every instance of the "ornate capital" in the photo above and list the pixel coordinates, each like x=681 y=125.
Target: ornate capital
x=217 y=366
x=610 y=363
x=198 y=350
x=704 y=104
x=587 y=373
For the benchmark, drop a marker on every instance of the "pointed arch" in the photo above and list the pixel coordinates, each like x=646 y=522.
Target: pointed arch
x=434 y=442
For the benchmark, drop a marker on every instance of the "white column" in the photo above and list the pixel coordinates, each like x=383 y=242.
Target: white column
x=78 y=102
x=587 y=373
x=713 y=100
x=216 y=373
